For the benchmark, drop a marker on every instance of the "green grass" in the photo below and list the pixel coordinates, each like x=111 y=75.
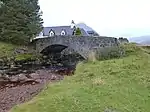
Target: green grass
x=25 y=57
x=6 y=50
x=122 y=85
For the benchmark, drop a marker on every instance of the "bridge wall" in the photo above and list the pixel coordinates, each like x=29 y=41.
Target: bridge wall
x=81 y=44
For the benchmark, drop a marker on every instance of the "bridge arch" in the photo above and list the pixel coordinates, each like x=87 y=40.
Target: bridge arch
x=58 y=48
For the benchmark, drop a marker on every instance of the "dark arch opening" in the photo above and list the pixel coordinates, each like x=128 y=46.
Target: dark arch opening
x=55 y=55
x=53 y=49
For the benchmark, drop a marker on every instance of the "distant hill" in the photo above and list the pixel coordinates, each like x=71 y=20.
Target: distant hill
x=144 y=40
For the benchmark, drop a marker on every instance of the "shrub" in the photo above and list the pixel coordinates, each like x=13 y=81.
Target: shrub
x=123 y=40
x=125 y=49
x=109 y=52
x=78 y=32
x=131 y=48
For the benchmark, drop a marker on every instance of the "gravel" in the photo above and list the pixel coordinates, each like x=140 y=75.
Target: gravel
x=13 y=93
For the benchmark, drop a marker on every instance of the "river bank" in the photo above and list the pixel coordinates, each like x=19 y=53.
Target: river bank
x=23 y=74
x=16 y=92
x=23 y=87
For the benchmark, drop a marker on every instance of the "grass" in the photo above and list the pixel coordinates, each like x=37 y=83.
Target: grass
x=120 y=85
x=25 y=57
x=6 y=50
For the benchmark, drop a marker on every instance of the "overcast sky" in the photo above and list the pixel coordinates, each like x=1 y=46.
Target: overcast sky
x=108 y=17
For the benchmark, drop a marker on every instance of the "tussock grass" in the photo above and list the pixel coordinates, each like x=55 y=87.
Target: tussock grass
x=92 y=56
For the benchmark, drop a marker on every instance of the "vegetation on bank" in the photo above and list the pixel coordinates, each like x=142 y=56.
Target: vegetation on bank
x=25 y=57
x=8 y=53
x=7 y=50
x=116 y=85
x=19 y=22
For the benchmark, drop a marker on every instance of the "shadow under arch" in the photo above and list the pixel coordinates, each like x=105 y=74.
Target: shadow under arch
x=54 y=53
x=57 y=49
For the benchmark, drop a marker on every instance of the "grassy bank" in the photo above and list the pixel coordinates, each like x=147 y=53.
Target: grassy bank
x=6 y=50
x=119 y=85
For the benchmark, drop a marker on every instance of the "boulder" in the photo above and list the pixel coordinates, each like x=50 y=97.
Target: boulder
x=53 y=77
x=22 y=77
x=4 y=79
x=34 y=75
x=14 y=78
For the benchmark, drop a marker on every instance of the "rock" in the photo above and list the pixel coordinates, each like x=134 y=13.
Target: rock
x=1 y=62
x=25 y=71
x=22 y=77
x=18 y=78
x=43 y=67
x=21 y=51
x=34 y=76
x=53 y=77
x=5 y=67
x=4 y=79
x=38 y=81
x=1 y=72
x=14 y=78
x=12 y=66
x=15 y=67
x=30 y=81
x=109 y=110
x=12 y=73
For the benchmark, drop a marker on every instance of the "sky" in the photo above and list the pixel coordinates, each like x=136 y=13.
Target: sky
x=127 y=18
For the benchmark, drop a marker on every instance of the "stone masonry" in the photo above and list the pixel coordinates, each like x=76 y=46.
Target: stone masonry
x=80 y=44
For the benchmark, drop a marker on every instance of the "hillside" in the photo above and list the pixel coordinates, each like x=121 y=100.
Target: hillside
x=122 y=85
x=144 y=40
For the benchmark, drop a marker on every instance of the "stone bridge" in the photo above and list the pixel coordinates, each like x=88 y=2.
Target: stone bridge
x=80 y=44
